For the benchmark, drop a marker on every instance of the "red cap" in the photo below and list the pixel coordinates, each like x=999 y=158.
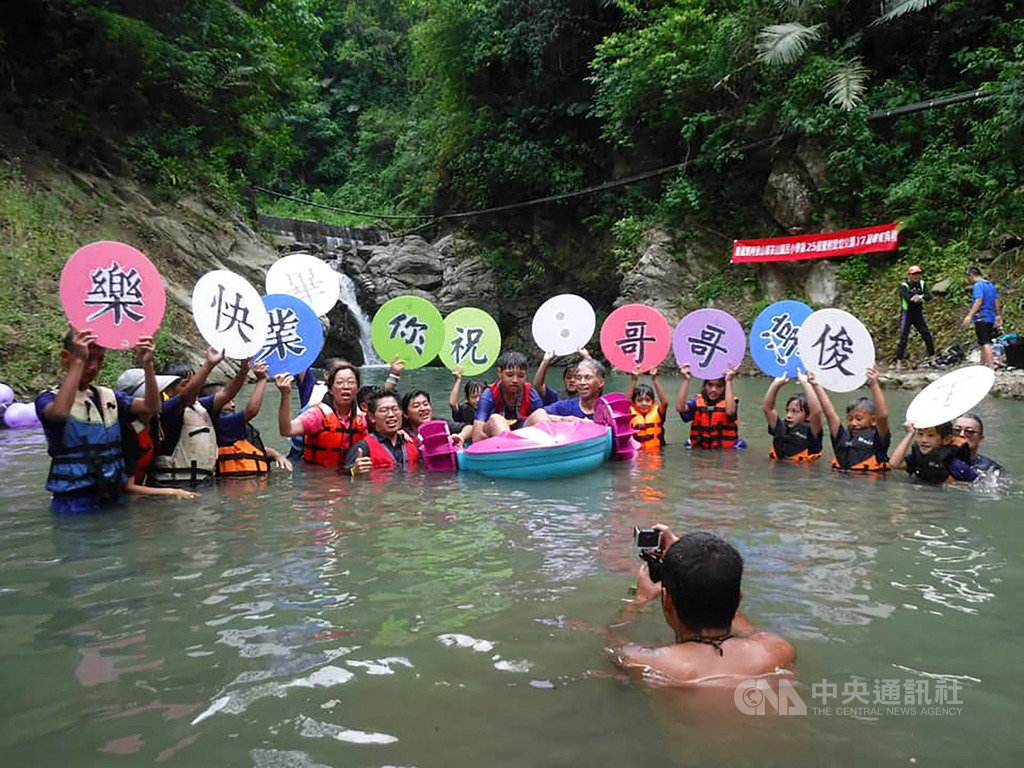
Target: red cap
x=914 y=270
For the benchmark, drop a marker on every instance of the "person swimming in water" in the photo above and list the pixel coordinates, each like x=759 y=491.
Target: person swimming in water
x=699 y=592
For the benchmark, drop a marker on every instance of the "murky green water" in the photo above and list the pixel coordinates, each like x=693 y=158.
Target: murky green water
x=441 y=621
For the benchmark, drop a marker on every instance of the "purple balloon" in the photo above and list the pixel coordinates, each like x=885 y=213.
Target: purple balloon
x=710 y=341
x=21 y=416
x=6 y=394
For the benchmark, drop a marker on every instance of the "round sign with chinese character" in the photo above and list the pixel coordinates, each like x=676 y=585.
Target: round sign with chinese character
x=306 y=278
x=472 y=341
x=295 y=336
x=837 y=348
x=950 y=396
x=773 y=338
x=229 y=313
x=409 y=328
x=115 y=290
x=563 y=324
x=710 y=341
x=636 y=336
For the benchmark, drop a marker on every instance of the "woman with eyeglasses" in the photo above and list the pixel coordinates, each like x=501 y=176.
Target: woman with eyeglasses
x=970 y=428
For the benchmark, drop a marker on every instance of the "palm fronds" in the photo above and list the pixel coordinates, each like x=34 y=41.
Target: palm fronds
x=846 y=87
x=893 y=9
x=785 y=43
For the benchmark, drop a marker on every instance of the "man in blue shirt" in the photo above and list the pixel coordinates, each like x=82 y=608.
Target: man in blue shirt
x=589 y=385
x=985 y=314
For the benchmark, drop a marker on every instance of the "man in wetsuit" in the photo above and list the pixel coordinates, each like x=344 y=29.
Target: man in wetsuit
x=700 y=596
x=913 y=293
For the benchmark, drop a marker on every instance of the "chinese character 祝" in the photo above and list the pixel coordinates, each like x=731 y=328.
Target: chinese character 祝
x=634 y=341
x=116 y=291
x=465 y=344
x=410 y=330
x=781 y=338
x=834 y=350
x=707 y=344
x=232 y=315
x=282 y=336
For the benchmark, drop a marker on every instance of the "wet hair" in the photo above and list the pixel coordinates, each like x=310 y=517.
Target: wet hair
x=643 y=389
x=383 y=394
x=704 y=388
x=329 y=398
x=591 y=365
x=474 y=388
x=512 y=361
x=178 y=370
x=863 y=403
x=408 y=398
x=802 y=399
x=365 y=394
x=977 y=418
x=702 y=573
x=974 y=271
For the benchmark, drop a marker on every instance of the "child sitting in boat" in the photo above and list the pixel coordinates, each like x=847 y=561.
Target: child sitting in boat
x=465 y=412
x=935 y=454
x=507 y=403
x=862 y=444
x=712 y=413
x=648 y=414
x=797 y=436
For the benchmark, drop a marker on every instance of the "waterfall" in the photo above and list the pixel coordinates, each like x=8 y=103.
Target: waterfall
x=348 y=298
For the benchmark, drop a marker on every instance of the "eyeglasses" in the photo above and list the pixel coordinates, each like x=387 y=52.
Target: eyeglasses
x=389 y=409
x=965 y=431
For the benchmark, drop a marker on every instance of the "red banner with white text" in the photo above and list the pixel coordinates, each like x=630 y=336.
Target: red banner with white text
x=883 y=237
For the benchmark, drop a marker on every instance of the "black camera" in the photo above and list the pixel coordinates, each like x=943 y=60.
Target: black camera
x=648 y=541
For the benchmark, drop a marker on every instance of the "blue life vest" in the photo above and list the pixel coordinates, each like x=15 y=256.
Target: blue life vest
x=88 y=459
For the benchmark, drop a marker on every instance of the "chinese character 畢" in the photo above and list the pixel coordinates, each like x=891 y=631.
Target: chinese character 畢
x=115 y=291
x=304 y=285
x=781 y=338
x=410 y=330
x=707 y=344
x=232 y=315
x=465 y=345
x=834 y=350
x=633 y=343
x=282 y=335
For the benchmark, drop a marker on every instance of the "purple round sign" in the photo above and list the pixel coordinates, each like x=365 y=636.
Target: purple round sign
x=710 y=341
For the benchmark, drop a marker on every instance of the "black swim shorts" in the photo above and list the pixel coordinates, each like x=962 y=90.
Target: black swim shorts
x=983 y=331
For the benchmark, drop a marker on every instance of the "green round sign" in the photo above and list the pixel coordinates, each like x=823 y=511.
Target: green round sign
x=409 y=328
x=471 y=340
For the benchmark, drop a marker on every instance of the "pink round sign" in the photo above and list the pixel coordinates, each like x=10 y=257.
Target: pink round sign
x=710 y=341
x=635 y=336
x=115 y=290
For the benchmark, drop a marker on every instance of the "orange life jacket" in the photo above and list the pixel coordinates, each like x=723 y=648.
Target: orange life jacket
x=857 y=455
x=802 y=432
x=242 y=459
x=381 y=458
x=649 y=428
x=712 y=427
x=147 y=449
x=327 y=448
x=499 y=402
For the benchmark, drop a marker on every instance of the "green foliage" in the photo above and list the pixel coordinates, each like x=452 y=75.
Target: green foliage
x=716 y=287
x=627 y=233
x=854 y=271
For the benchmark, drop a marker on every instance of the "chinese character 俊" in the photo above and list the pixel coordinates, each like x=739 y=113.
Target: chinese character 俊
x=781 y=338
x=410 y=330
x=635 y=339
x=465 y=345
x=232 y=315
x=706 y=344
x=115 y=291
x=834 y=350
x=282 y=336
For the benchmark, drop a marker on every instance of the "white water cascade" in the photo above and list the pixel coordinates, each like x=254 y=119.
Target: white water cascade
x=348 y=298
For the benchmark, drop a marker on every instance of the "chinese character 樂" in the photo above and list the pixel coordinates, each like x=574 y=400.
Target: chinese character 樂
x=465 y=345
x=233 y=315
x=635 y=339
x=781 y=338
x=116 y=291
x=410 y=330
x=834 y=350
x=706 y=344
x=282 y=335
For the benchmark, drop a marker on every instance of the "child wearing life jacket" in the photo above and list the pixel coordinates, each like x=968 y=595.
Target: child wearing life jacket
x=797 y=436
x=935 y=455
x=648 y=415
x=83 y=425
x=331 y=427
x=386 y=446
x=862 y=444
x=464 y=412
x=240 y=450
x=712 y=413
x=508 y=402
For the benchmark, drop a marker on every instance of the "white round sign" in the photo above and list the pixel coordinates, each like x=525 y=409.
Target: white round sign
x=230 y=314
x=950 y=396
x=563 y=324
x=837 y=348
x=307 y=278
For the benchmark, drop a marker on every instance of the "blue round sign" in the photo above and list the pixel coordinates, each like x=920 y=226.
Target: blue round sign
x=294 y=338
x=773 y=338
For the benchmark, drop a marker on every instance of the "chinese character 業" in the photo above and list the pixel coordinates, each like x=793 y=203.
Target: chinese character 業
x=834 y=350
x=282 y=335
x=465 y=345
x=707 y=344
x=633 y=343
x=410 y=330
x=781 y=338
x=232 y=315
x=115 y=291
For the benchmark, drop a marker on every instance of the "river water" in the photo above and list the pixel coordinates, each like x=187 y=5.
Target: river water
x=450 y=621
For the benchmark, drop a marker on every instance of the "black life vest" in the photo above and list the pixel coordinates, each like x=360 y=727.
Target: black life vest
x=857 y=451
x=796 y=443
